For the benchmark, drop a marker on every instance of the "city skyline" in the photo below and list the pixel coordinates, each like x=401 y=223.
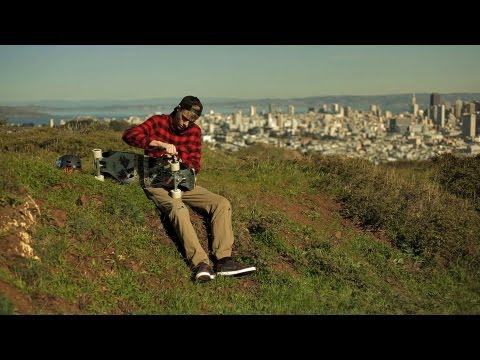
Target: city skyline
x=129 y=72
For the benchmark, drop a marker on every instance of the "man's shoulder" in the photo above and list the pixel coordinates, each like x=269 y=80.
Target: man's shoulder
x=160 y=117
x=195 y=129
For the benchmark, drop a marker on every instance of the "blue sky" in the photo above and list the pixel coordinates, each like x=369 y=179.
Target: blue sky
x=124 y=72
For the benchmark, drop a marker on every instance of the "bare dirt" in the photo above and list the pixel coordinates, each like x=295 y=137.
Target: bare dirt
x=17 y=225
x=22 y=303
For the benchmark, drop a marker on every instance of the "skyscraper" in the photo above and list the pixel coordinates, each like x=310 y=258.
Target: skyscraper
x=458 y=108
x=441 y=116
x=470 y=108
x=414 y=106
x=434 y=99
x=415 y=109
x=469 y=125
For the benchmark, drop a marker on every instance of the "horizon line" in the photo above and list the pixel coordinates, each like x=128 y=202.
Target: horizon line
x=231 y=98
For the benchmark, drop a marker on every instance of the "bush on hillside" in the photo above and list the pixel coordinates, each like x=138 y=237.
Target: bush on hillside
x=418 y=217
x=460 y=176
x=118 y=125
x=63 y=140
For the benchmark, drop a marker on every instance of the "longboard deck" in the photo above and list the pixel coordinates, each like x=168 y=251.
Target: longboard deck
x=128 y=167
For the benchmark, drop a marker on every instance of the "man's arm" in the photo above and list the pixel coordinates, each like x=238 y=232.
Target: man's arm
x=139 y=135
x=142 y=134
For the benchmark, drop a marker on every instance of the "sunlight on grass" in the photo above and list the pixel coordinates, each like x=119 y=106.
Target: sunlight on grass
x=327 y=235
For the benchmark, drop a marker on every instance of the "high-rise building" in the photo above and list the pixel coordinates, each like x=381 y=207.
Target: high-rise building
x=469 y=125
x=281 y=121
x=235 y=120
x=477 y=105
x=270 y=119
x=253 y=110
x=291 y=109
x=470 y=108
x=434 y=99
x=414 y=106
x=415 y=109
x=347 y=110
x=400 y=124
x=458 y=108
x=434 y=113
x=441 y=116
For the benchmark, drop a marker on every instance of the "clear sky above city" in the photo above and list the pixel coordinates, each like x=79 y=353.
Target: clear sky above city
x=129 y=72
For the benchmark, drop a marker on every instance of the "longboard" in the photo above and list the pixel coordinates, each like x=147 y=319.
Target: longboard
x=128 y=167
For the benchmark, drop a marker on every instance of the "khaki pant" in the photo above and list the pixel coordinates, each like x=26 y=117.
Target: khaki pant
x=217 y=207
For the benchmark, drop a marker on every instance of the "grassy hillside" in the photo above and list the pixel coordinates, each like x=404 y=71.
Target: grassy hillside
x=328 y=235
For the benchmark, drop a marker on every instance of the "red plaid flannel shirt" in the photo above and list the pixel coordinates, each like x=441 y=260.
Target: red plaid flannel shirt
x=160 y=127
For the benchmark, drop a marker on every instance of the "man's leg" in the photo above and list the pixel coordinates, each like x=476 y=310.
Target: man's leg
x=220 y=212
x=180 y=218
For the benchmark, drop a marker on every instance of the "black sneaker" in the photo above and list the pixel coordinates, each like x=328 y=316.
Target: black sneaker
x=204 y=272
x=227 y=266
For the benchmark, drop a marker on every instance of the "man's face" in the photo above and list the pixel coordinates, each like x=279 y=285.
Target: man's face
x=183 y=119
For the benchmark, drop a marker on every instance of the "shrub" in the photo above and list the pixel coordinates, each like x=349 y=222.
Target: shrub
x=459 y=176
x=419 y=217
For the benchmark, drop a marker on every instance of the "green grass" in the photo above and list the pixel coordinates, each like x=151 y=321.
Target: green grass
x=397 y=244
x=6 y=306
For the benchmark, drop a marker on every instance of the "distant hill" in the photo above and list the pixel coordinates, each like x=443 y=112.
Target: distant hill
x=106 y=103
x=393 y=102
x=20 y=111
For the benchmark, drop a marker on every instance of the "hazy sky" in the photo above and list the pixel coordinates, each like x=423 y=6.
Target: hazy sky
x=79 y=72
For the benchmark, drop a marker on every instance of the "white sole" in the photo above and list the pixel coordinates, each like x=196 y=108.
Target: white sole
x=205 y=273
x=236 y=272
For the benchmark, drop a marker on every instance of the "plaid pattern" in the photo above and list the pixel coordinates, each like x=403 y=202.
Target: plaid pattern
x=160 y=127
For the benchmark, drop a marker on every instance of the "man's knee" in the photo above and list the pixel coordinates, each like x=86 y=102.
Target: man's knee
x=223 y=204
x=178 y=209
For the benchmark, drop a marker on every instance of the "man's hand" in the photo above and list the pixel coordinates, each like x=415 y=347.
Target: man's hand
x=170 y=149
